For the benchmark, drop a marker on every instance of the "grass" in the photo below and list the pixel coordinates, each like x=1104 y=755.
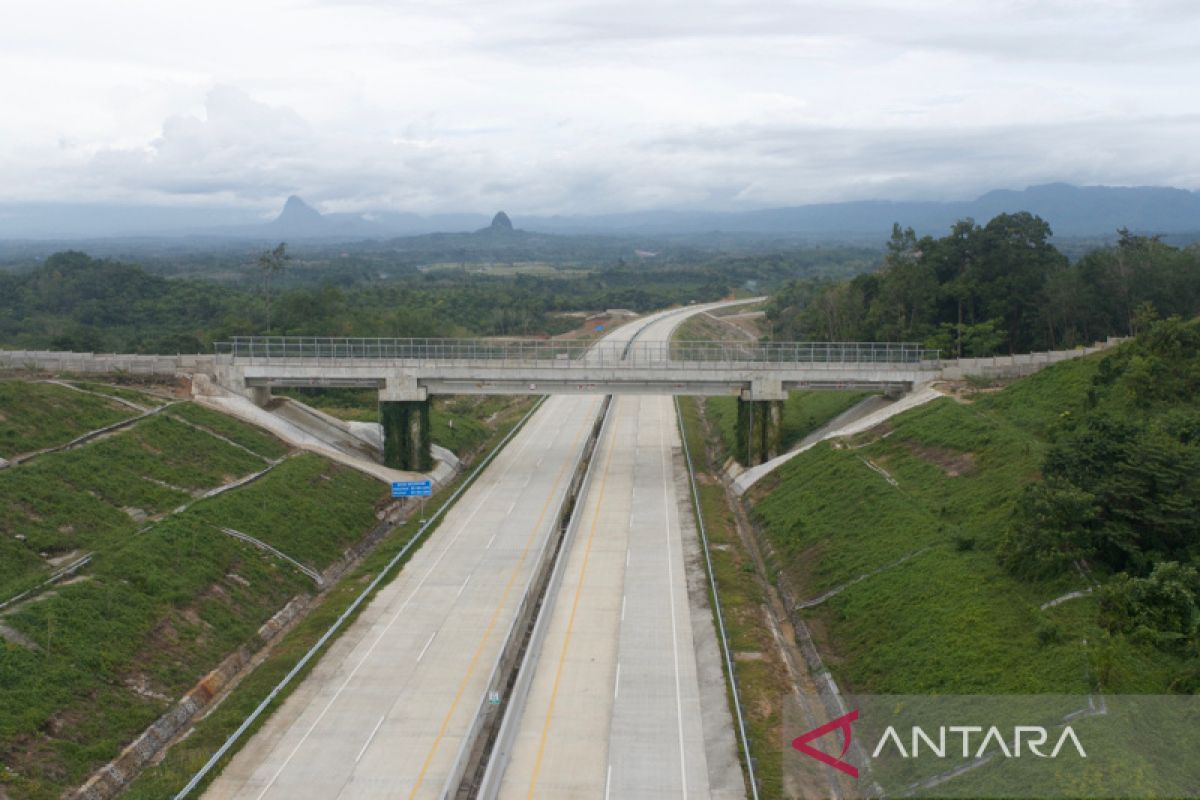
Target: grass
x=308 y=507
x=34 y=416
x=156 y=613
x=78 y=498
x=948 y=619
x=161 y=602
x=803 y=413
x=923 y=606
x=254 y=439
x=132 y=395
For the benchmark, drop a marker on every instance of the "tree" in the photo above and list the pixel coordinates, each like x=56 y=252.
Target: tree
x=272 y=263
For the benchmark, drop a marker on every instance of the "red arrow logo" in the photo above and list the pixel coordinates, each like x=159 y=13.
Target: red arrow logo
x=801 y=743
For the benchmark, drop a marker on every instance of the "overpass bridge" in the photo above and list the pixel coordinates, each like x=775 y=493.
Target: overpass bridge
x=413 y=369
x=406 y=372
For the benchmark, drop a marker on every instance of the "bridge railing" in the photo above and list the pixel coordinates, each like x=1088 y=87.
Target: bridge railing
x=525 y=352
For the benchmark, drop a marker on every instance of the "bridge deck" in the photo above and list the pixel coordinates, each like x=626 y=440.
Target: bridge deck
x=477 y=366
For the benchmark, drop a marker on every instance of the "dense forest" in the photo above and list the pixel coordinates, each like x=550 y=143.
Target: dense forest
x=72 y=301
x=1121 y=489
x=996 y=288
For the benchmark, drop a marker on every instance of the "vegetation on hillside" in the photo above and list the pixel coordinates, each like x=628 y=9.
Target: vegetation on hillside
x=1121 y=492
x=166 y=595
x=1000 y=287
x=902 y=545
x=34 y=416
x=75 y=302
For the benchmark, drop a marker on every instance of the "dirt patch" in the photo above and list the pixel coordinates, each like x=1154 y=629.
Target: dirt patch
x=65 y=558
x=18 y=638
x=952 y=462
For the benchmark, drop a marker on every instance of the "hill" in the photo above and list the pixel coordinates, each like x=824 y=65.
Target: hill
x=947 y=514
x=1072 y=211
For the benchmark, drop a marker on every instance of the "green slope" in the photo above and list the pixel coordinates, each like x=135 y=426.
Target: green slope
x=907 y=521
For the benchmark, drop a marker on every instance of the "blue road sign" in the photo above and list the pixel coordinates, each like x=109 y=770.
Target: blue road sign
x=412 y=488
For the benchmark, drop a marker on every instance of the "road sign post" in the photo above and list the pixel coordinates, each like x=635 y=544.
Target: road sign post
x=412 y=488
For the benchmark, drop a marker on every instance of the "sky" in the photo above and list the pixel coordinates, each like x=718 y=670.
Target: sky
x=566 y=107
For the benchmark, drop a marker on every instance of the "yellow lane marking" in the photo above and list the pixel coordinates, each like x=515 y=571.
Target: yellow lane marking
x=562 y=656
x=495 y=616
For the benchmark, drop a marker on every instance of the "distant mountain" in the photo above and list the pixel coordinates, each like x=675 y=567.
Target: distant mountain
x=501 y=224
x=1072 y=211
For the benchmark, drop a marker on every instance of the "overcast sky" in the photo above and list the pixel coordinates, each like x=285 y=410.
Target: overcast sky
x=580 y=107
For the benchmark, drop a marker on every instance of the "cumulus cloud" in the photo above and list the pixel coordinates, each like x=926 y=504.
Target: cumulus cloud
x=551 y=106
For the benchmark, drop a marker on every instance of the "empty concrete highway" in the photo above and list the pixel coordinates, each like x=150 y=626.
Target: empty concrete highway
x=616 y=707
x=384 y=712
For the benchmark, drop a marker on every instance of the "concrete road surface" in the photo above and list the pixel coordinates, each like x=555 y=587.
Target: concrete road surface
x=383 y=712
x=616 y=707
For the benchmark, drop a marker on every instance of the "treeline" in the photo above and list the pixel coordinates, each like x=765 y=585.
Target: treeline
x=75 y=302
x=1121 y=490
x=997 y=288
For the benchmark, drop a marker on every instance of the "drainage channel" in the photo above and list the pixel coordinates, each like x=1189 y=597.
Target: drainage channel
x=486 y=748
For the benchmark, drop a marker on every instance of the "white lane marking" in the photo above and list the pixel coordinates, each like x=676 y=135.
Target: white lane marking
x=460 y=589
x=370 y=738
x=617 y=682
x=511 y=506
x=622 y=608
x=488 y=546
x=607 y=781
x=664 y=451
x=627 y=549
x=421 y=655
x=396 y=616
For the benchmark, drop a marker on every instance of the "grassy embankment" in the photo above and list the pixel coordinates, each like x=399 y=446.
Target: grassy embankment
x=87 y=664
x=921 y=511
x=920 y=506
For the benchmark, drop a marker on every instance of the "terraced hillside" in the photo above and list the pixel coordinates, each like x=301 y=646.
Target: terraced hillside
x=161 y=594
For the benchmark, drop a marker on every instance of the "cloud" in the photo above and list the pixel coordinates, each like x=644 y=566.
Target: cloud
x=553 y=106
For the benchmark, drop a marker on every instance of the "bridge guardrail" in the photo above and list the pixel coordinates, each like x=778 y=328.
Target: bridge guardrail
x=542 y=353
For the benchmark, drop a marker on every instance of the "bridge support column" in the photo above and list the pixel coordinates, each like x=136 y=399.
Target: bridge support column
x=404 y=410
x=760 y=412
x=758 y=424
x=406 y=443
x=260 y=395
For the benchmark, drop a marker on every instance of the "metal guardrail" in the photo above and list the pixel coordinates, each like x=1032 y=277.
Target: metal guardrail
x=571 y=353
x=718 y=613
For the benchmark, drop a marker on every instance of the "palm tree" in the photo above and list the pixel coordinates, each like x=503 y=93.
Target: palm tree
x=272 y=262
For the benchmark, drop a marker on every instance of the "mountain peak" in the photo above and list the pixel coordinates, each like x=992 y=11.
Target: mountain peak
x=297 y=212
x=501 y=222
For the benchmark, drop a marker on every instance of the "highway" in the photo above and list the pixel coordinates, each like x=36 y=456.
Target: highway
x=384 y=711
x=616 y=707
